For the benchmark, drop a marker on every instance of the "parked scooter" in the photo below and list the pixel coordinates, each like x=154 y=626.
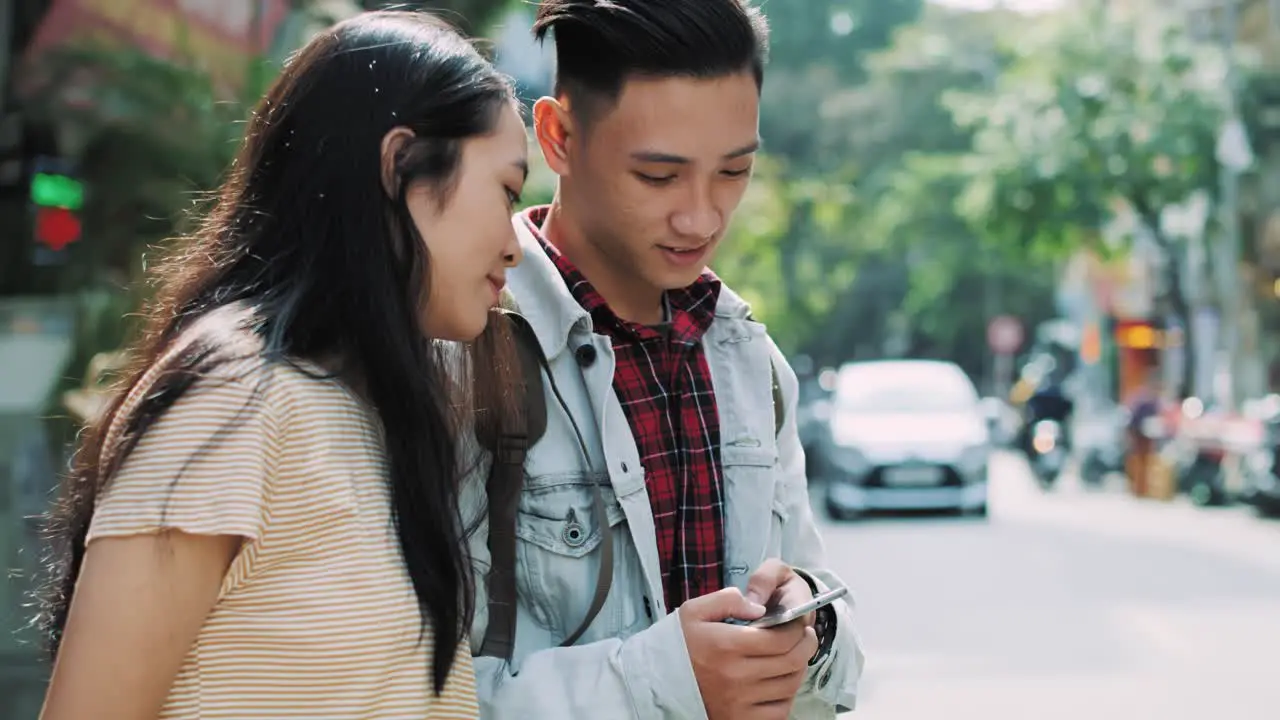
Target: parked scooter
x=1261 y=465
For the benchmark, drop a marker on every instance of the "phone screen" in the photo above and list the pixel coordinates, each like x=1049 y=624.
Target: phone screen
x=775 y=616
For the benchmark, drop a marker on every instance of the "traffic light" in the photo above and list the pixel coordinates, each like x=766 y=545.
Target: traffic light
x=57 y=197
x=55 y=190
x=56 y=227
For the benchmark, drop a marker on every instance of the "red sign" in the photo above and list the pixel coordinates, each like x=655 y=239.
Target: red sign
x=1004 y=335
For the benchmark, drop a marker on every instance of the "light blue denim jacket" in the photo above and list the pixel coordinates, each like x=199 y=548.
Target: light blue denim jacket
x=632 y=661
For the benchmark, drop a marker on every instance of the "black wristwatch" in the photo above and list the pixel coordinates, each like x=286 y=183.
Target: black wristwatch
x=824 y=624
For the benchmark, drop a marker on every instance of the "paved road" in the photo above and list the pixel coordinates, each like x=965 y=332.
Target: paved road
x=1067 y=606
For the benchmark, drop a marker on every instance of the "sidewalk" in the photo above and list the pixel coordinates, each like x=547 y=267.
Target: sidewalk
x=1234 y=530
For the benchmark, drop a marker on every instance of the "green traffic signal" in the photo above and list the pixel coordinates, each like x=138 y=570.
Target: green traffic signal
x=49 y=190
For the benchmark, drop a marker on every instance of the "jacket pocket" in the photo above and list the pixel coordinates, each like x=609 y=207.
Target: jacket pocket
x=559 y=558
x=754 y=513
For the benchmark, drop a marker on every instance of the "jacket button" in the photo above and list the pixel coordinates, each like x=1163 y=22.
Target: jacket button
x=585 y=355
x=574 y=534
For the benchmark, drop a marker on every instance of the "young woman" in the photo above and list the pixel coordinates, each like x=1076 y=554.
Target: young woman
x=265 y=522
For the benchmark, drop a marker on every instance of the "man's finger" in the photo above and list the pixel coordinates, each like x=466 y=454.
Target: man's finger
x=771 y=575
x=769 y=642
x=721 y=605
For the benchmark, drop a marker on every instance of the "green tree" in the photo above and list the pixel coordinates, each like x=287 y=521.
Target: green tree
x=955 y=279
x=923 y=282
x=1096 y=110
x=154 y=135
x=818 y=50
x=790 y=249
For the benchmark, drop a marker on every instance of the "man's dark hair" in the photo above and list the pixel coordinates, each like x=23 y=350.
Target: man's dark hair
x=600 y=44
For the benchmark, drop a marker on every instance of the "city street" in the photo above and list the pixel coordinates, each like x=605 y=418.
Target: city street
x=1066 y=606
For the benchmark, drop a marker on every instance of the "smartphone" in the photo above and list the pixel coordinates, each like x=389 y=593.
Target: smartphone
x=775 y=616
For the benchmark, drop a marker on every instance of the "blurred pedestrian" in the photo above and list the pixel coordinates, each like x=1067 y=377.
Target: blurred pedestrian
x=265 y=523
x=1144 y=406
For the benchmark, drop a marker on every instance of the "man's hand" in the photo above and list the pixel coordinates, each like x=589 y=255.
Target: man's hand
x=744 y=673
x=774 y=583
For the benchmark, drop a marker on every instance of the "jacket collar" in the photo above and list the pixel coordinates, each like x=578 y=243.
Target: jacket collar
x=546 y=303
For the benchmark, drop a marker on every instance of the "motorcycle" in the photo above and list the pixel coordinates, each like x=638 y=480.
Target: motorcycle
x=1048 y=452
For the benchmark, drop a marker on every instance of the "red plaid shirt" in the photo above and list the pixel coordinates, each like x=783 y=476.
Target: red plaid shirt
x=664 y=384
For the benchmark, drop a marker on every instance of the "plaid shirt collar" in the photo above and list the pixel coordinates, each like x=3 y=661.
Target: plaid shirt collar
x=692 y=308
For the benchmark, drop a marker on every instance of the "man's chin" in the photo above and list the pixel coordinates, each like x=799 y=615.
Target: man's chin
x=679 y=284
x=670 y=280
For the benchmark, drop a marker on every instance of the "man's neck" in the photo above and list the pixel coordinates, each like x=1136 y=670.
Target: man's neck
x=629 y=297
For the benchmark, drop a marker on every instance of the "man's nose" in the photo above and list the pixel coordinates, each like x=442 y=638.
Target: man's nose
x=700 y=218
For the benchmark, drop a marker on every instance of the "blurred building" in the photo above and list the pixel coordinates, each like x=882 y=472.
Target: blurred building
x=1248 y=265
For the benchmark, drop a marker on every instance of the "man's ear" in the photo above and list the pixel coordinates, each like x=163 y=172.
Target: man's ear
x=392 y=143
x=553 y=126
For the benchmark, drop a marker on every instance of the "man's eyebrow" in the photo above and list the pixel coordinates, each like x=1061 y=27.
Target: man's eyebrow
x=668 y=158
x=524 y=167
x=660 y=157
x=744 y=150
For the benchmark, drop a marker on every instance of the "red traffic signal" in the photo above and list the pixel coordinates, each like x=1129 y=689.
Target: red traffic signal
x=56 y=227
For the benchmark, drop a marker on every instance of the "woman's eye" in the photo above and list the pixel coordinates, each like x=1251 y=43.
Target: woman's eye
x=737 y=173
x=513 y=197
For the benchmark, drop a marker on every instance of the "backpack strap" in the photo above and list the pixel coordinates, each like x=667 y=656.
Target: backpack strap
x=505 y=484
x=503 y=488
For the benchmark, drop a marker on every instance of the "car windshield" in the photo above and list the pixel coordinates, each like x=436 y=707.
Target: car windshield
x=908 y=389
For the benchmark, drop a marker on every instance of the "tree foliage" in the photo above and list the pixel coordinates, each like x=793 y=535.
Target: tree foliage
x=907 y=273
x=925 y=168
x=1098 y=115
x=1093 y=109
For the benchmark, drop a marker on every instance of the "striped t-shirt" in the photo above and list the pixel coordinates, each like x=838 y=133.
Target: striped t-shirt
x=316 y=617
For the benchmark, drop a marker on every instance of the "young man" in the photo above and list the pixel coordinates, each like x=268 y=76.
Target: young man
x=661 y=500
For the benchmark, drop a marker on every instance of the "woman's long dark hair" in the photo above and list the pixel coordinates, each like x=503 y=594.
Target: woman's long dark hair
x=304 y=238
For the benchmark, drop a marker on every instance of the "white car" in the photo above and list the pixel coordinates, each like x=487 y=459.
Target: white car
x=906 y=435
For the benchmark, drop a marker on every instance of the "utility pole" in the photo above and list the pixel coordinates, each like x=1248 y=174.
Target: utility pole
x=1233 y=157
x=992 y=290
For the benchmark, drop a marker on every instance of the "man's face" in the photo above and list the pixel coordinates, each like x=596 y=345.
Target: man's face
x=653 y=181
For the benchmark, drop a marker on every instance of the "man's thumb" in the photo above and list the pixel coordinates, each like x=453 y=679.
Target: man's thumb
x=722 y=605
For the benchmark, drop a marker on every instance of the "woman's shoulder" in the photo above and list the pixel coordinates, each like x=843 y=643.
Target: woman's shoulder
x=304 y=393
x=218 y=363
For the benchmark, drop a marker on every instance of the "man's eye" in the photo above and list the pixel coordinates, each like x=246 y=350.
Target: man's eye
x=655 y=179
x=736 y=173
x=513 y=197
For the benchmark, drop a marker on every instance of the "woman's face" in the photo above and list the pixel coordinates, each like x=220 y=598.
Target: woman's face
x=470 y=240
